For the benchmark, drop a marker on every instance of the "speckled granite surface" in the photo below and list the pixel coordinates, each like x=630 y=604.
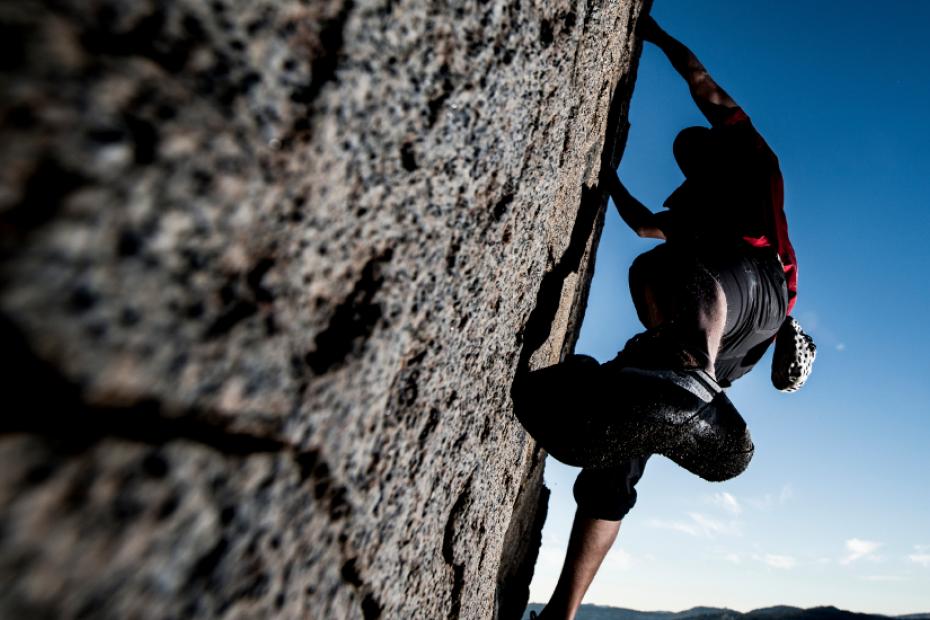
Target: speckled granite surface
x=268 y=268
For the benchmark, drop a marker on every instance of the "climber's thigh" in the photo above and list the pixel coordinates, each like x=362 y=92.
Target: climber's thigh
x=657 y=279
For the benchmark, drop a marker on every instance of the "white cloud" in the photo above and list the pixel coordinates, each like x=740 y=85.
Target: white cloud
x=883 y=578
x=770 y=500
x=733 y=558
x=858 y=548
x=841 y=346
x=726 y=502
x=787 y=492
x=920 y=558
x=699 y=525
x=783 y=562
x=678 y=526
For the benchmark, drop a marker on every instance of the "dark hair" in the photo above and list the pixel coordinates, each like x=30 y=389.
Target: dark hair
x=693 y=150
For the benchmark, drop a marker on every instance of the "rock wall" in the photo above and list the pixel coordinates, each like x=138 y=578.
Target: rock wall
x=268 y=270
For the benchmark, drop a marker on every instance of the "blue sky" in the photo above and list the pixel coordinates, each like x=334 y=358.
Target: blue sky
x=835 y=507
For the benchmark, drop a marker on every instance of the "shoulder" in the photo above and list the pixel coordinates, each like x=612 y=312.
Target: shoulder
x=741 y=138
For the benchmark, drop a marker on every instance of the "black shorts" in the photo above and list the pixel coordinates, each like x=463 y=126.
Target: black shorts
x=756 y=291
x=753 y=283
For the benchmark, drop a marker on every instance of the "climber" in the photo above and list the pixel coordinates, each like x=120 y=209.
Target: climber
x=713 y=297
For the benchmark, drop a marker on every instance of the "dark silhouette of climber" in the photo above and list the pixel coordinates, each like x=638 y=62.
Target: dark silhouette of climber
x=713 y=298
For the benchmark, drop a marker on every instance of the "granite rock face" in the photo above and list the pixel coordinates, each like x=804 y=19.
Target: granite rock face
x=269 y=268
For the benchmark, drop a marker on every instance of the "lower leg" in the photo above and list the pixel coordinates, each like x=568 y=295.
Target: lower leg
x=589 y=543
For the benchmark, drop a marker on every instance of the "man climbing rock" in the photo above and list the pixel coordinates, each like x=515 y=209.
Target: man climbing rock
x=713 y=297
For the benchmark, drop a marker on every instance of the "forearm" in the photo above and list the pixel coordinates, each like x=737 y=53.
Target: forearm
x=682 y=59
x=713 y=101
x=634 y=213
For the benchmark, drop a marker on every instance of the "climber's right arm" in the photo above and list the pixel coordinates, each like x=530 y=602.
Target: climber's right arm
x=713 y=101
x=636 y=215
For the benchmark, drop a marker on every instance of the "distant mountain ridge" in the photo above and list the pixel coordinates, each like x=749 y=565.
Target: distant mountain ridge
x=781 y=612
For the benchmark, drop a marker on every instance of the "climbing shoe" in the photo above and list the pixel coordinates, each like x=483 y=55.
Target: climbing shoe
x=793 y=358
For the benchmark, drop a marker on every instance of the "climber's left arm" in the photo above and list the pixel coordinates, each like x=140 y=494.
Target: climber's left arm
x=636 y=215
x=710 y=97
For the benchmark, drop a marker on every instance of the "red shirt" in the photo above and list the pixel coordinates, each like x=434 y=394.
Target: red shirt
x=770 y=226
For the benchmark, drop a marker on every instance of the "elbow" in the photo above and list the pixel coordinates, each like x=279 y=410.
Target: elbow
x=650 y=232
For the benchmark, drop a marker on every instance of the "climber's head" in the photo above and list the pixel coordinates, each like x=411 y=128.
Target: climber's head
x=694 y=150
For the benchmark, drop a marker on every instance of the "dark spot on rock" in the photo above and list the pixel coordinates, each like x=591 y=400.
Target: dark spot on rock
x=227 y=514
x=321 y=474
x=146 y=38
x=43 y=195
x=202 y=181
x=251 y=80
x=350 y=573
x=14 y=38
x=306 y=462
x=486 y=431
x=144 y=139
x=500 y=207
x=178 y=363
x=82 y=299
x=254 y=280
x=20 y=116
x=436 y=103
x=431 y=422
x=96 y=331
x=237 y=312
x=195 y=260
x=352 y=321
x=154 y=465
x=192 y=27
x=371 y=608
x=275 y=542
x=271 y=327
x=568 y=20
x=338 y=505
x=194 y=310
x=106 y=135
x=165 y=112
x=39 y=473
x=407 y=157
x=91 y=607
x=545 y=33
x=205 y=566
x=168 y=507
x=452 y=254
x=125 y=508
x=323 y=65
x=257 y=587
x=128 y=244
x=279 y=600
